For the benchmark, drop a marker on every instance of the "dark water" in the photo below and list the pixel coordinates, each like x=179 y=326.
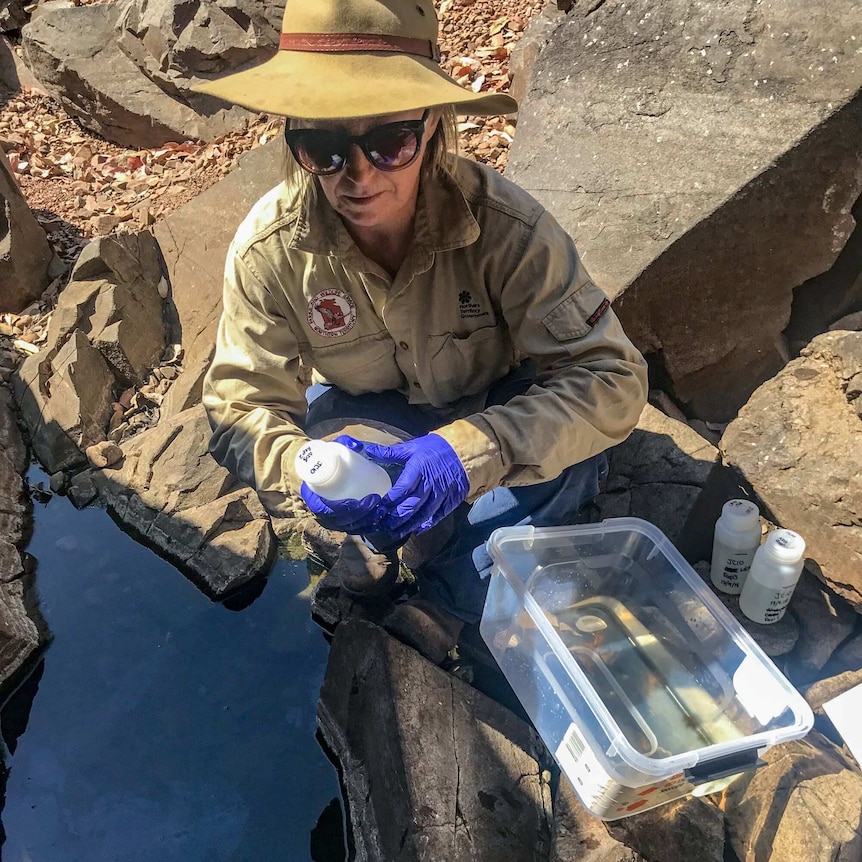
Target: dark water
x=164 y=727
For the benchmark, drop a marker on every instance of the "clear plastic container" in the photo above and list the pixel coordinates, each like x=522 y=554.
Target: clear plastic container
x=636 y=677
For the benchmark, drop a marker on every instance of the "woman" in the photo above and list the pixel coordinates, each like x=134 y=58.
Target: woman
x=428 y=293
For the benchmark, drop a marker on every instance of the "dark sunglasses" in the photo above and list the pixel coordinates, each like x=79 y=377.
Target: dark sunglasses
x=389 y=147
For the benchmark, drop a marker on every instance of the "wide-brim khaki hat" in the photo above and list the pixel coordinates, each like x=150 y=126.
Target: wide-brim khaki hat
x=354 y=58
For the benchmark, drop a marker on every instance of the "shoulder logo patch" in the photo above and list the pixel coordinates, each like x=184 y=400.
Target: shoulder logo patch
x=331 y=313
x=594 y=318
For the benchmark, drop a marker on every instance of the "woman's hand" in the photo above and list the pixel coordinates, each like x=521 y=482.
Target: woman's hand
x=432 y=484
x=356 y=517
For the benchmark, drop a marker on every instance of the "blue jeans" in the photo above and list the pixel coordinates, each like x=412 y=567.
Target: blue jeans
x=455 y=576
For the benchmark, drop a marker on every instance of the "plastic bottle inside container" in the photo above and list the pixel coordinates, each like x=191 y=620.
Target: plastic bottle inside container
x=774 y=574
x=737 y=537
x=336 y=472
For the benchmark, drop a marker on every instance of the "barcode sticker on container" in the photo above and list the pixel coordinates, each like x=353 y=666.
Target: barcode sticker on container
x=581 y=766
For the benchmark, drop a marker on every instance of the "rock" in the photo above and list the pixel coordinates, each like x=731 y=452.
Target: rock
x=65 y=402
x=195 y=262
x=850 y=322
x=24 y=250
x=176 y=44
x=331 y=605
x=804 y=804
x=776 y=639
x=657 y=473
x=690 y=828
x=825 y=689
x=111 y=313
x=12 y=501
x=10 y=437
x=58 y=482
x=116 y=301
x=701 y=247
x=825 y=621
x=833 y=299
x=432 y=768
x=75 y=54
x=14 y=75
x=172 y=495
x=581 y=837
x=798 y=442
x=11 y=566
x=12 y=15
x=849 y=654
x=22 y=631
x=104 y=454
x=324 y=545
x=529 y=47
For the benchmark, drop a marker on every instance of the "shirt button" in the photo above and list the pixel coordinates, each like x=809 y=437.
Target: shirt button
x=403 y=345
x=416 y=384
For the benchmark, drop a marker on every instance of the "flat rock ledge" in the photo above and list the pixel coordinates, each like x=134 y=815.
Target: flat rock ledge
x=432 y=768
x=172 y=494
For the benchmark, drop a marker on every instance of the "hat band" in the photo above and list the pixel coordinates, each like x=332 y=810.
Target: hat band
x=341 y=43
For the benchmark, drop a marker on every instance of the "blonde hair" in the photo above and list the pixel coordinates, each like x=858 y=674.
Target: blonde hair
x=440 y=153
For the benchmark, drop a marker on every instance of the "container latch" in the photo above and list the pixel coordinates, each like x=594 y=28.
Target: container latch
x=721 y=767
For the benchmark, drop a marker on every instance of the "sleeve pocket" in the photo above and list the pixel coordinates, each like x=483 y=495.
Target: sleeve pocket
x=576 y=315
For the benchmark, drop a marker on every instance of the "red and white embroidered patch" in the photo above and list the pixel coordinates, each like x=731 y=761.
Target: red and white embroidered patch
x=331 y=313
x=594 y=318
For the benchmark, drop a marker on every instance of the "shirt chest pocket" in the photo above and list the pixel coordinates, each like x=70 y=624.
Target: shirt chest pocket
x=467 y=365
x=358 y=365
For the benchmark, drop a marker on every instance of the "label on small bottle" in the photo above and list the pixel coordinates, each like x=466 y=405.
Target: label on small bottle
x=729 y=573
x=763 y=604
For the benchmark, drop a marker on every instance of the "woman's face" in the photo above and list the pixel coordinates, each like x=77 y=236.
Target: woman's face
x=364 y=196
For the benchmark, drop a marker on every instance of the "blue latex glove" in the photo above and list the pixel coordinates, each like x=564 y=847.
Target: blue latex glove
x=432 y=484
x=357 y=517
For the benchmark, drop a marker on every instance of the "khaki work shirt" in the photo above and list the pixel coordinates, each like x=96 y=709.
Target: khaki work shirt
x=490 y=279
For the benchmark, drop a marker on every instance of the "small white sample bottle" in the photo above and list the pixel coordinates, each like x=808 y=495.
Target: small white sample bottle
x=773 y=577
x=737 y=537
x=336 y=472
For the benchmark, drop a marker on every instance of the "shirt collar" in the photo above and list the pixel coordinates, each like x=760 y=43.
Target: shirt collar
x=444 y=221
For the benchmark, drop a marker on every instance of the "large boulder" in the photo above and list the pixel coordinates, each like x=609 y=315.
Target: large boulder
x=179 y=42
x=105 y=333
x=798 y=442
x=76 y=56
x=705 y=158
x=24 y=251
x=195 y=261
x=432 y=768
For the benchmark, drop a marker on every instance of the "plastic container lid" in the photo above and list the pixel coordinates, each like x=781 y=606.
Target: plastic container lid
x=740 y=515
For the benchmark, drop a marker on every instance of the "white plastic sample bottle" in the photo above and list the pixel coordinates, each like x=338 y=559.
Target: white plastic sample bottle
x=737 y=537
x=773 y=577
x=336 y=472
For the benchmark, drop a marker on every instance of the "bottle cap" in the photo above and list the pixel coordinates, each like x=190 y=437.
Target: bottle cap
x=740 y=515
x=785 y=546
x=317 y=462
